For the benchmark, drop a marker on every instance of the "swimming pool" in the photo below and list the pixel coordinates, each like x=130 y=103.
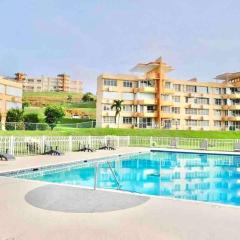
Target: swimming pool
x=193 y=176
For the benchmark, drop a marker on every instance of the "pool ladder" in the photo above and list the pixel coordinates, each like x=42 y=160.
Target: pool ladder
x=113 y=173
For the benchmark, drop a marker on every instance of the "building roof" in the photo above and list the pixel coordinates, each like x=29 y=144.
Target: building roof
x=228 y=76
x=147 y=67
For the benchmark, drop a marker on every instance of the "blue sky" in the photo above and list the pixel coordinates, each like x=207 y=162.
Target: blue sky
x=87 y=37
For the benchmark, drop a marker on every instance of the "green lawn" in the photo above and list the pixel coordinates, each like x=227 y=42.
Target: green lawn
x=128 y=132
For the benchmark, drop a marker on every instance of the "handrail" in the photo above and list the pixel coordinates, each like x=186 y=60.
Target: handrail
x=114 y=175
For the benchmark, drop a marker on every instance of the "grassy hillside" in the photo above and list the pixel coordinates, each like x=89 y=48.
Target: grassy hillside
x=127 y=132
x=40 y=99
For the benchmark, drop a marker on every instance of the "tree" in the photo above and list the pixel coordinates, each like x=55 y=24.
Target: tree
x=69 y=98
x=14 y=116
x=53 y=114
x=25 y=104
x=88 y=97
x=30 y=121
x=117 y=105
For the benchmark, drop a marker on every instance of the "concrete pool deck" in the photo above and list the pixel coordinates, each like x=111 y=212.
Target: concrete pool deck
x=32 y=210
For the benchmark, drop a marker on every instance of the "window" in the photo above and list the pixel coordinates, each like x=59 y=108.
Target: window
x=127 y=108
x=39 y=80
x=216 y=90
x=203 y=123
x=107 y=107
x=128 y=96
x=12 y=91
x=147 y=83
x=111 y=95
x=151 y=109
x=218 y=101
x=217 y=112
x=191 y=122
x=167 y=85
x=109 y=82
x=203 y=111
x=177 y=87
x=201 y=101
x=166 y=109
x=192 y=111
x=30 y=80
x=217 y=123
x=176 y=110
x=143 y=96
x=165 y=97
x=127 y=84
x=127 y=120
x=176 y=99
x=109 y=119
x=14 y=105
x=190 y=89
x=202 y=89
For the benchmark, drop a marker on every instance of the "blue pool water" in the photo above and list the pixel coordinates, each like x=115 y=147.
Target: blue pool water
x=202 y=177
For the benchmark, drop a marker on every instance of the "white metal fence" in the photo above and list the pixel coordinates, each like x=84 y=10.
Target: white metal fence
x=26 y=145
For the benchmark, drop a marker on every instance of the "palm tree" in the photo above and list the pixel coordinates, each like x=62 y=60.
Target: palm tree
x=117 y=104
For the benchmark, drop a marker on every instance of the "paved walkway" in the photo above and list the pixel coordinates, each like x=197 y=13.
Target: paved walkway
x=33 y=211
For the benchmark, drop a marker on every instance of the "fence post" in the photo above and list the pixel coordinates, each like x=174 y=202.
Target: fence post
x=151 y=141
x=11 y=145
x=43 y=144
x=128 y=141
x=118 y=141
x=70 y=143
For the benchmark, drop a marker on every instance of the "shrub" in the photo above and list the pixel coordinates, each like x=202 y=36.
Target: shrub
x=30 y=120
x=53 y=114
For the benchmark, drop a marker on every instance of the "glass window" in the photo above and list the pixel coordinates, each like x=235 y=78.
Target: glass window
x=203 y=111
x=202 y=89
x=167 y=85
x=192 y=111
x=176 y=110
x=128 y=96
x=127 y=108
x=218 y=101
x=11 y=105
x=127 y=120
x=109 y=119
x=176 y=99
x=190 y=89
x=217 y=112
x=166 y=109
x=217 y=123
x=13 y=91
x=177 y=87
x=110 y=82
x=127 y=84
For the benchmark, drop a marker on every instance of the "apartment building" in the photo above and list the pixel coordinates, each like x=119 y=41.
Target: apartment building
x=153 y=100
x=61 y=83
x=10 y=96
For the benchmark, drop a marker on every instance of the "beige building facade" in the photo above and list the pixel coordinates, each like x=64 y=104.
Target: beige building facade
x=10 y=96
x=61 y=83
x=153 y=100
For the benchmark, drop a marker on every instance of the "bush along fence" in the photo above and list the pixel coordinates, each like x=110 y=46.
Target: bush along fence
x=44 y=126
x=26 y=145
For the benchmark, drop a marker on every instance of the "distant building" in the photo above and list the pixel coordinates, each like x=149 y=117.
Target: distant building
x=153 y=100
x=10 y=96
x=61 y=83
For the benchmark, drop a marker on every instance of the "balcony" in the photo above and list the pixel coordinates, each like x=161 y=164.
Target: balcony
x=166 y=103
x=232 y=107
x=145 y=102
x=168 y=91
x=145 y=90
x=145 y=114
x=110 y=88
x=231 y=96
x=231 y=118
x=166 y=115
